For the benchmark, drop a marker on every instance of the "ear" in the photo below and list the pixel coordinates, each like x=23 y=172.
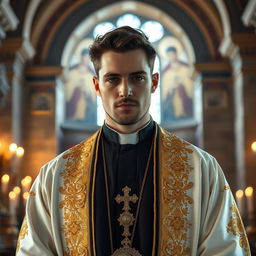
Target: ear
x=155 y=78
x=96 y=85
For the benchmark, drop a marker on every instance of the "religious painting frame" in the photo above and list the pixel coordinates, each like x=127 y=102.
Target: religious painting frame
x=41 y=103
x=80 y=95
x=176 y=84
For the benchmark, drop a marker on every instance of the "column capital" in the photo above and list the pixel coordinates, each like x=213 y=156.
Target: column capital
x=217 y=69
x=43 y=70
x=17 y=46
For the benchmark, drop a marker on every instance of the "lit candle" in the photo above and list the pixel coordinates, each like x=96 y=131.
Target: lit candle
x=239 y=200
x=1 y=148
x=25 y=197
x=17 y=190
x=253 y=146
x=12 y=202
x=249 y=197
x=13 y=147
x=5 y=183
x=20 y=152
x=26 y=182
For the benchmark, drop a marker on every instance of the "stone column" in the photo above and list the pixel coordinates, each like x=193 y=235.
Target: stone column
x=243 y=61
x=40 y=123
x=218 y=115
x=14 y=53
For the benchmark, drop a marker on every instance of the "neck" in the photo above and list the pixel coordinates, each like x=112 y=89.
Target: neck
x=127 y=129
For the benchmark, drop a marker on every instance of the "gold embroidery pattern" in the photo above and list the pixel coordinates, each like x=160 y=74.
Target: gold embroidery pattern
x=175 y=174
x=226 y=187
x=75 y=203
x=31 y=193
x=235 y=226
x=23 y=232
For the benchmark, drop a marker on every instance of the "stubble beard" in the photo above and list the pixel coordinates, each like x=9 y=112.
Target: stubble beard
x=133 y=121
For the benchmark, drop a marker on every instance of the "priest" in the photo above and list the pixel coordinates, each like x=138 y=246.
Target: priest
x=132 y=188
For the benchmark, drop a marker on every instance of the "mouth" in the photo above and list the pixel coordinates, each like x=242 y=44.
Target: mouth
x=126 y=103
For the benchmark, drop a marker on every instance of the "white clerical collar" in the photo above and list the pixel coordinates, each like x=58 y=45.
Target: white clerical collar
x=128 y=138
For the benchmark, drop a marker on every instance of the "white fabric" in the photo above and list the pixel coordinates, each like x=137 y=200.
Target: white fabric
x=209 y=214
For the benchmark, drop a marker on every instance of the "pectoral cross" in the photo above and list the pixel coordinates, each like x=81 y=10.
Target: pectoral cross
x=126 y=218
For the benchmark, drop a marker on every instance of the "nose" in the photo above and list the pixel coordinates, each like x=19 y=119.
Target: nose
x=125 y=89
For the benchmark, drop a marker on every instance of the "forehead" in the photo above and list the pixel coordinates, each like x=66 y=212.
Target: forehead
x=124 y=62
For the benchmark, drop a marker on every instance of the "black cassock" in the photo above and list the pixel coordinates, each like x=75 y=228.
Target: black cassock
x=126 y=165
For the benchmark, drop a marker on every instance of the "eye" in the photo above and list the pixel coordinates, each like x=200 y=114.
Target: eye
x=138 y=78
x=112 y=80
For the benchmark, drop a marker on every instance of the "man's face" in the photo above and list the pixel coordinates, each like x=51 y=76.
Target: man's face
x=125 y=84
x=172 y=56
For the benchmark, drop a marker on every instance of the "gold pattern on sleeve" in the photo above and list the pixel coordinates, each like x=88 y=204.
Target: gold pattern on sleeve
x=75 y=202
x=32 y=193
x=226 y=187
x=235 y=226
x=23 y=232
x=174 y=207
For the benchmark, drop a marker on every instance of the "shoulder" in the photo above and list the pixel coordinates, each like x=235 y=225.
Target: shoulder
x=173 y=143
x=77 y=153
x=198 y=161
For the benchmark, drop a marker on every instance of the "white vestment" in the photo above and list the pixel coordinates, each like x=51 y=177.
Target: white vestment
x=197 y=212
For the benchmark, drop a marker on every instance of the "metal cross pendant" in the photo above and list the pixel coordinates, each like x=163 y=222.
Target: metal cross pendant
x=126 y=218
x=126 y=198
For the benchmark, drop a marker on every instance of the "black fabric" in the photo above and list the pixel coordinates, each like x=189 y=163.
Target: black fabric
x=125 y=167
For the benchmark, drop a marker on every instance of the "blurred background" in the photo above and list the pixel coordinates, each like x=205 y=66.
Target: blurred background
x=206 y=57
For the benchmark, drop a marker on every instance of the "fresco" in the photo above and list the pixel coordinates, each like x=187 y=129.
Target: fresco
x=80 y=96
x=176 y=84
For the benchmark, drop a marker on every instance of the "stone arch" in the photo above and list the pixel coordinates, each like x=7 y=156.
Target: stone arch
x=197 y=37
x=138 y=8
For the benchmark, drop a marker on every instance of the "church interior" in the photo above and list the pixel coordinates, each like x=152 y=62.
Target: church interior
x=206 y=58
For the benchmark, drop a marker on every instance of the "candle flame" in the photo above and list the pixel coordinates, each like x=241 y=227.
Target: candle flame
x=239 y=193
x=20 y=151
x=26 y=181
x=25 y=195
x=13 y=147
x=5 y=178
x=253 y=146
x=16 y=190
x=12 y=195
x=248 y=191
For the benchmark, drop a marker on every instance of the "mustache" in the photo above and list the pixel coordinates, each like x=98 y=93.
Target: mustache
x=126 y=101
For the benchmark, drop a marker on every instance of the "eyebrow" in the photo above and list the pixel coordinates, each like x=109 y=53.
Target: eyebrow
x=133 y=73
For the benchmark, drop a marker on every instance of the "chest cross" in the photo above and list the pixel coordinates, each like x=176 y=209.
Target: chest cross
x=126 y=198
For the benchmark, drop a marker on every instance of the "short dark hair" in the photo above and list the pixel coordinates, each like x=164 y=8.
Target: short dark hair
x=121 y=39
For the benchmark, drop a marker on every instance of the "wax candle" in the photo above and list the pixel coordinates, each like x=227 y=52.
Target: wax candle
x=13 y=147
x=17 y=190
x=25 y=197
x=249 y=197
x=12 y=202
x=20 y=152
x=26 y=183
x=1 y=148
x=239 y=200
x=253 y=146
x=5 y=183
